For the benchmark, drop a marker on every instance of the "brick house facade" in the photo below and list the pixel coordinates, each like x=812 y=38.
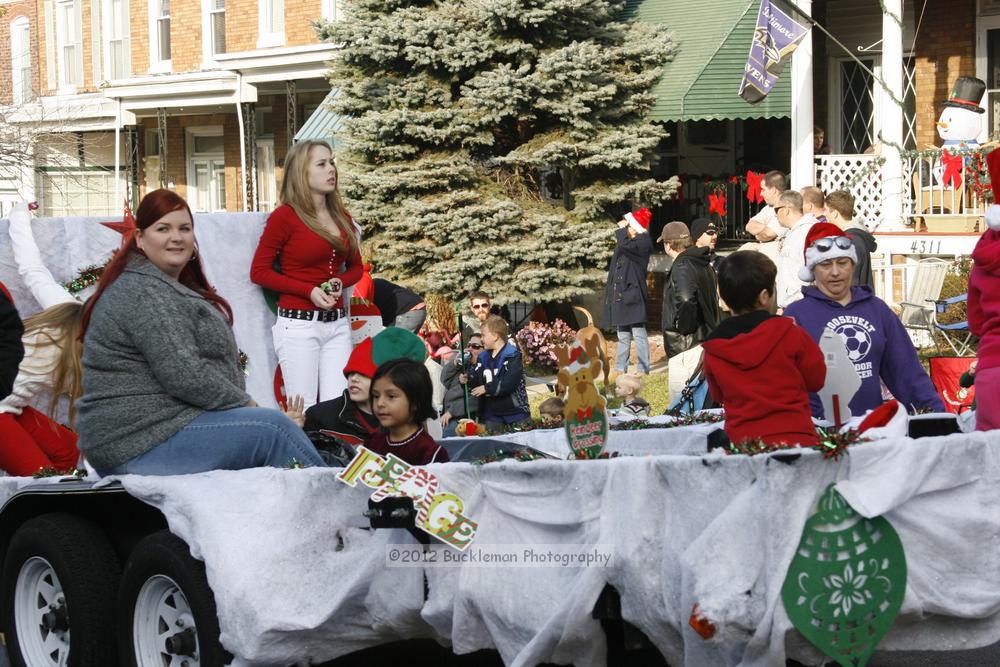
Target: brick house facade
x=121 y=74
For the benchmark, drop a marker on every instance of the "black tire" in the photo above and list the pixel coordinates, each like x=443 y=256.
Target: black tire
x=87 y=568
x=166 y=555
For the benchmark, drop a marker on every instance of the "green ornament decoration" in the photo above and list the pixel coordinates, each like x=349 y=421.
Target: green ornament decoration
x=845 y=586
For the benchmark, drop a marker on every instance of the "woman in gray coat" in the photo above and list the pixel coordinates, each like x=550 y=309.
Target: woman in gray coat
x=162 y=390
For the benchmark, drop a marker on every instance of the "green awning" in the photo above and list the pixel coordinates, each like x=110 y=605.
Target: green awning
x=322 y=124
x=702 y=82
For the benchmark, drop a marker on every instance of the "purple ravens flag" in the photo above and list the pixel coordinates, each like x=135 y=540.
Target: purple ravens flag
x=775 y=37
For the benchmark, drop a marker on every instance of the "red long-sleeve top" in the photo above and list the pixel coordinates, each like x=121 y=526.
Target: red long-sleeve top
x=307 y=260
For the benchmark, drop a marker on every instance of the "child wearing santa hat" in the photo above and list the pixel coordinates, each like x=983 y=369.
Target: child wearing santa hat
x=984 y=308
x=349 y=416
x=877 y=344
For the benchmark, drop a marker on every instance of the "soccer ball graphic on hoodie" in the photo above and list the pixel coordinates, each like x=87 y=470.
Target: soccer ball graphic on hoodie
x=857 y=340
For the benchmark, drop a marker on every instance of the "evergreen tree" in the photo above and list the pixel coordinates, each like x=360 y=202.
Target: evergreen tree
x=459 y=111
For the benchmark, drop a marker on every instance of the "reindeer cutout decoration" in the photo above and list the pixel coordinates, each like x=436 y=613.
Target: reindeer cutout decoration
x=586 y=419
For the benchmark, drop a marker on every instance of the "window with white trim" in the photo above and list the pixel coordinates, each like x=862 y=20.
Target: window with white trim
x=217 y=25
x=159 y=36
x=206 y=170
x=271 y=23
x=20 y=52
x=331 y=10
x=117 y=61
x=213 y=30
x=69 y=46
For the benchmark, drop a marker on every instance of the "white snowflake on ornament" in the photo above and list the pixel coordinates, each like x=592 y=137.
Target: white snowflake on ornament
x=366 y=320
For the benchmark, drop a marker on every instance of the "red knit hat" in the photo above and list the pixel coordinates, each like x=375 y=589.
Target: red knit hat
x=833 y=243
x=360 y=360
x=639 y=220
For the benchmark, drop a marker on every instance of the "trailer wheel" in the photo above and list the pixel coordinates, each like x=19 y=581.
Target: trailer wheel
x=166 y=610
x=60 y=577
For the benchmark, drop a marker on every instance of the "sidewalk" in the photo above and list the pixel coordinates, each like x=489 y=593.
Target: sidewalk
x=539 y=384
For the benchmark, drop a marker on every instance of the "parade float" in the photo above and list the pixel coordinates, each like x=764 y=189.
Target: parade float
x=738 y=555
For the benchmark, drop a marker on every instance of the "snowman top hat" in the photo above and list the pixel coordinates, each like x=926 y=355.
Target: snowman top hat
x=966 y=94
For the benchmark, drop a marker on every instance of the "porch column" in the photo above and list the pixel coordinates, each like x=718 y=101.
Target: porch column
x=803 y=171
x=891 y=130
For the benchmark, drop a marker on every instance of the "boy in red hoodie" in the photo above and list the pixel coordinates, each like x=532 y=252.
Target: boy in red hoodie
x=761 y=366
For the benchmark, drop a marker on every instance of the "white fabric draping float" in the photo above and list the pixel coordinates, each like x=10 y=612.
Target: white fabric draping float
x=712 y=529
x=638 y=442
x=226 y=243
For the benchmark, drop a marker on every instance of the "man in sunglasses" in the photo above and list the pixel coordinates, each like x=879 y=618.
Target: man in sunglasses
x=481 y=306
x=793 y=246
x=877 y=344
x=705 y=235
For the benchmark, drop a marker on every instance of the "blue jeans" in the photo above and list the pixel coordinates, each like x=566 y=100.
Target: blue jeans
x=226 y=440
x=625 y=336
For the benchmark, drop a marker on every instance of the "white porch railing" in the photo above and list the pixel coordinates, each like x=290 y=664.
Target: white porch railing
x=838 y=172
x=925 y=192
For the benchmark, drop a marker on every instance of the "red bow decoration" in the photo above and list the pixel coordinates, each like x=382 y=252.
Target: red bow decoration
x=125 y=226
x=584 y=414
x=754 y=193
x=952 y=169
x=717 y=203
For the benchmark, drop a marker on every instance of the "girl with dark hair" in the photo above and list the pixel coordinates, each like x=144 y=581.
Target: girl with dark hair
x=401 y=398
x=312 y=237
x=162 y=389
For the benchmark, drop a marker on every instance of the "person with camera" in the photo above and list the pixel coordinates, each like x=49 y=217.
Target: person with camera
x=455 y=398
x=625 y=295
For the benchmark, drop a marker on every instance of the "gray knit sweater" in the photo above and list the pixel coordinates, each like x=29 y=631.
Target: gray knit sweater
x=156 y=355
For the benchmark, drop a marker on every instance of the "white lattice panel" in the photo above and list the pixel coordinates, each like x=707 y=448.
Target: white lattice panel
x=834 y=172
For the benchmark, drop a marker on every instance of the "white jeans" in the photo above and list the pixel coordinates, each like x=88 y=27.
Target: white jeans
x=312 y=356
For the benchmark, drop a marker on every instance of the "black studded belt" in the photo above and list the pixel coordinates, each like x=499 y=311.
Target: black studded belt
x=318 y=315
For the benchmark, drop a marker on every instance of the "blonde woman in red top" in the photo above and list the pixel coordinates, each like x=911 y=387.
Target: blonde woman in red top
x=312 y=237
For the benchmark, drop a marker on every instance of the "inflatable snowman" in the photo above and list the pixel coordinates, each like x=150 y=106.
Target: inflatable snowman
x=962 y=119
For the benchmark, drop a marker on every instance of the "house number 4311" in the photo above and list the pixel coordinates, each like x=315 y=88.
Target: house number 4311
x=926 y=247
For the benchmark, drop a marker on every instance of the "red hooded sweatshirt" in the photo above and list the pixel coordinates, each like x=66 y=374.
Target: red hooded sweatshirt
x=761 y=368
x=984 y=299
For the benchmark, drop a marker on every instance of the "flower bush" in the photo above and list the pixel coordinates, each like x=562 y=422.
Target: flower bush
x=539 y=340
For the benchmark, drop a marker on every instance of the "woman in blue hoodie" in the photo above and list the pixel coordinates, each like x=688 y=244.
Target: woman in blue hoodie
x=497 y=380
x=877 y=343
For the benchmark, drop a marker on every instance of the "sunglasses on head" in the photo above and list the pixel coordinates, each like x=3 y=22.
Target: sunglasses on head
x=480 y=306
x=825 y=244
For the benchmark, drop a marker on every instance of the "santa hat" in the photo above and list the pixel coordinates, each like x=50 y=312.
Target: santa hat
x=360 y=360
x=993 y=212
x=365 y=287
x=815 y=255
x=639 y=220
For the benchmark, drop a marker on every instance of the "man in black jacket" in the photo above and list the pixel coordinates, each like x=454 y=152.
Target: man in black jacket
x=840 y=211
x=11 y=347
x=690 y=295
